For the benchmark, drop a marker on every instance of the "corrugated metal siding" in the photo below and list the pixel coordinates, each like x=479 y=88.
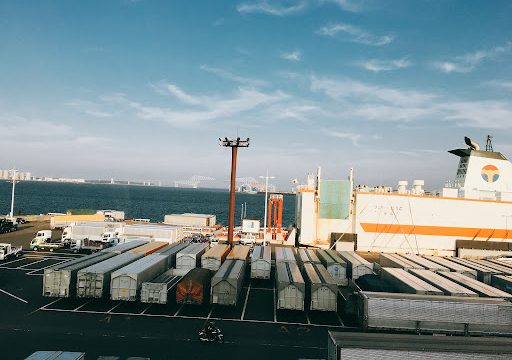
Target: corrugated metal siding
x=334 y=199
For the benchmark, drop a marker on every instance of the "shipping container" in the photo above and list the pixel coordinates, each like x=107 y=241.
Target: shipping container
x=94 y=281
x=122 y=248
x=356 y=265
x=453 y=266
x=240 y=252
x=166 y=233
x=425 y=263
x=307 y=256
x=431 y=313
x=483 y=273
x=62 y=221
x=156 y=291
x=148 y=248
x=60 y=280
x=447 y=286
x=366 y=346
x=190 y=257
x=335 y=265
x=408 y=283
x=171 y=250
x=284 y=254
x=227 y=283
x=188 y=219
x=261 y=262
x=502 y=282
x=194 y=288
x=396 y=261
x=505 y=270
x=126 y=282
x=477 y=286
x=321 y=288
x=56 y=355
x=290 y=286
x=214 y=257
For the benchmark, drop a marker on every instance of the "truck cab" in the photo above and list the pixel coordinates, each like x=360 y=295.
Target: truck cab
x=7 y=251
x=43 y=236
x=66 y=235
x=110 y=237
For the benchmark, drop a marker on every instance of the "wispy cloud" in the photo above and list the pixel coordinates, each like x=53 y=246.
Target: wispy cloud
x=292 y=56
x=468 y=62
x=376 y=65
x=276 y=8
x=90 y=108
x=347 y=5
x=233 y=77
x=501 y=84
x=165 y=88
x=211 y=108
x=343 y=135
x=355 y=100
x=355 y=34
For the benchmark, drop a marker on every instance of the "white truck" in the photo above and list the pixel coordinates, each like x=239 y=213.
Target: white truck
x=170 y=234
x=94 y=230
x=8 y=251
x=90 y=246
x=43 y=241
x=112 y=215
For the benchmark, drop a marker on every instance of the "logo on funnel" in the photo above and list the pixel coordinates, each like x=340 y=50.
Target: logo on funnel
x=490 y=173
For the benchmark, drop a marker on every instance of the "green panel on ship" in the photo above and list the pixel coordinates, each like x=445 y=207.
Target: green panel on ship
x=334 y=199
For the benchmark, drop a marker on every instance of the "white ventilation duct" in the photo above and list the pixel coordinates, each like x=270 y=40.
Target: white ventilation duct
x=418 y=186
x=402 y=186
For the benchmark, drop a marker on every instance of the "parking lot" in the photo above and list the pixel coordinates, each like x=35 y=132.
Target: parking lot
x=253 y=323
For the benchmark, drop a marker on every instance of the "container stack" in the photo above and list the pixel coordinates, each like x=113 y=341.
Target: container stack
x=321 y=288
x=356 y=265
x=213 y=258
x=194 y=288
x=335 y=265
x=227 y=283
x=261 y=262
x=126 y=282
x=156 y=291
x=190 y=258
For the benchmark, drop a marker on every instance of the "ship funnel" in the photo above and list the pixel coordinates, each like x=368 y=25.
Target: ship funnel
x=418 y=187
x=473 y=145
x=402 y=186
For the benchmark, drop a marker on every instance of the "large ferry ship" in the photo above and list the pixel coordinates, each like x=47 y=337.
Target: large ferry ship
x=475 y=205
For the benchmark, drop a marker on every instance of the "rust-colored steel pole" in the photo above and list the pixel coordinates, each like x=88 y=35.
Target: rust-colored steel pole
x=234 y=153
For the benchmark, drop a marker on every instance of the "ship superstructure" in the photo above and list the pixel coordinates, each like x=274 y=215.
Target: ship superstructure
x=475 y=205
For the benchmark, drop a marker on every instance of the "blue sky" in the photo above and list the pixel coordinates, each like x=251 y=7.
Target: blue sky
x=143 y=89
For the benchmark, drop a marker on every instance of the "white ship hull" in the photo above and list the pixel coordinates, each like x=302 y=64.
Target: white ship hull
x=389 y=222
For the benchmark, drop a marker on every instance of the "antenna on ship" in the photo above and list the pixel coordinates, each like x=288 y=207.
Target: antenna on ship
x=488 y=144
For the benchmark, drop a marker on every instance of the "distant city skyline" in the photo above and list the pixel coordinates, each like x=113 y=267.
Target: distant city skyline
x=143 y=89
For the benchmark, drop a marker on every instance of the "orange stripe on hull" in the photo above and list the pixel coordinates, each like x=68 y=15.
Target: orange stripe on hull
x=437 y=231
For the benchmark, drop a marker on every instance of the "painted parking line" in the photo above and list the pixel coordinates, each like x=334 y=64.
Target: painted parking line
x=245 y=303
x=115 y=306
x=146 y=309
x=52 y=265
x=341 y=322
x=33 y=263
x=275 y=304
x=178 y=311
x=13 y=296
x=12 y=261
x=307 y=317
x=81 y=306
x=210 y=313
x=197 y=318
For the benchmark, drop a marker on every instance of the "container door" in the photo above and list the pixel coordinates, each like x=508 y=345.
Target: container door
x=323 y=299
x=291 y=298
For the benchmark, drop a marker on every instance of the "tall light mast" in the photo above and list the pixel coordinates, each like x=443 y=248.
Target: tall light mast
x=13 y=176
x=234 y=144
x=266 y=207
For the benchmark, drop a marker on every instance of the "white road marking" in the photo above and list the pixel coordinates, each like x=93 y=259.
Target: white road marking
x=245 y=303
x=210 y=313
x=176 y=313
x=36 y=270
x=307 y=317
x=32 y=263
x=81 y=306
x=14 y=296
x=51 y=303
x=12 y=261
x=341 y=322
x=115 y=306
x=198 y=318
x=146 y=309
x=275 y=304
